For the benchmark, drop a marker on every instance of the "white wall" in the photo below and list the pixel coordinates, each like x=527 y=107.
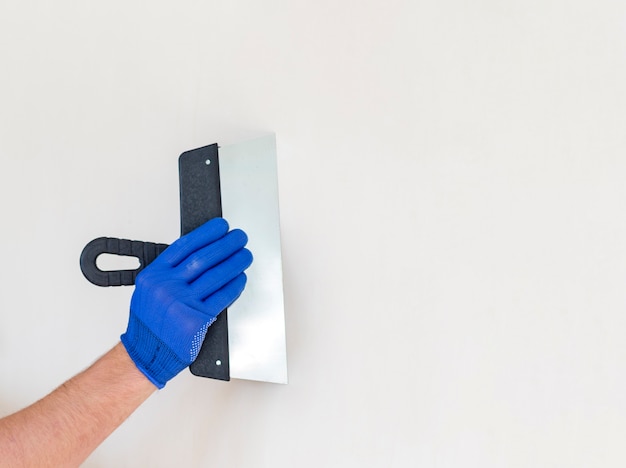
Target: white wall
x=454 y=233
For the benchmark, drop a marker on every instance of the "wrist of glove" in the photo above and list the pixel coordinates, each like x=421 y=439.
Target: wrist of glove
x=180 y=294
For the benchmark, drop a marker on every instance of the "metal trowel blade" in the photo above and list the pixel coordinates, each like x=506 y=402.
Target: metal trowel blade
x=256 y=321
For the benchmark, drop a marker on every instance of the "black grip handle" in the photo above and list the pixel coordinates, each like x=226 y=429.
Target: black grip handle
x=146 y=252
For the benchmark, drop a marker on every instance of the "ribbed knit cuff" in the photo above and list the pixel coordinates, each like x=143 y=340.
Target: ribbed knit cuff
x=151 y=356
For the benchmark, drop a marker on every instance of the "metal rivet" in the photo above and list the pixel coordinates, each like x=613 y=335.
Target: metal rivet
x=207 y=162
x=218 y=363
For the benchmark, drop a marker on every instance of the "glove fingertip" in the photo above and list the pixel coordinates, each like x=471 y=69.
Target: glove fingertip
x=249 y=255
x=240 y=236
x=218 y=223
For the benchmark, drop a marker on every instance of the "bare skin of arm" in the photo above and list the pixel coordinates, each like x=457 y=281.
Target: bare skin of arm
x=62 y=429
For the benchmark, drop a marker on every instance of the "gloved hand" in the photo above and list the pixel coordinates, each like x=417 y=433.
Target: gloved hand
x=179 y=295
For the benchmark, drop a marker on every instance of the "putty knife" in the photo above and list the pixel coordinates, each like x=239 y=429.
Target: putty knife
x=240 y=183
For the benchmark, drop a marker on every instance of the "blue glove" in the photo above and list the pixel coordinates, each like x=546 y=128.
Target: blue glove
x=179 y=295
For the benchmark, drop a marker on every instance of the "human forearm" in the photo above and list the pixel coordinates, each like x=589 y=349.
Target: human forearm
x=63 y=428
x=176 y=299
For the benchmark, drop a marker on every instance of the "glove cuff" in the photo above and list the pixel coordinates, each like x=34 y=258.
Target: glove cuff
x=151 y=355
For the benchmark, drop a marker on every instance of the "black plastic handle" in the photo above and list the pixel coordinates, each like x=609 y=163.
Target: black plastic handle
x=146 y=252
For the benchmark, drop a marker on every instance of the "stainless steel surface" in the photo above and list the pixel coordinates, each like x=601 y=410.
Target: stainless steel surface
x=256 y=322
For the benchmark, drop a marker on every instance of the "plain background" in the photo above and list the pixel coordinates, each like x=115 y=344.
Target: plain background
x=452 y=197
